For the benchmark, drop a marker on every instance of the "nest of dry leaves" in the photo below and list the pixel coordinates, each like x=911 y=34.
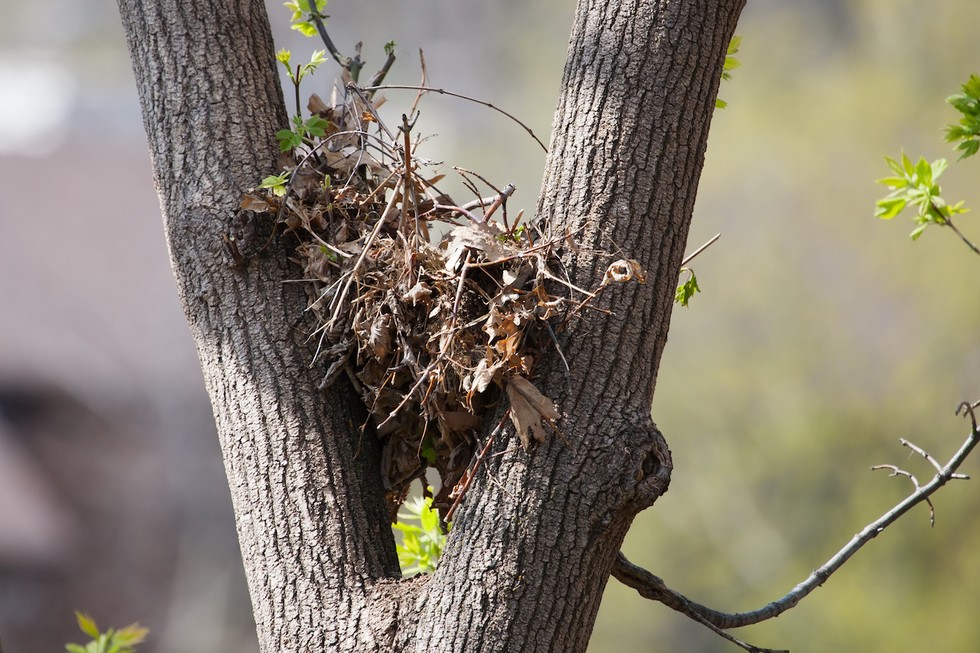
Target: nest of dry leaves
x=435 y=310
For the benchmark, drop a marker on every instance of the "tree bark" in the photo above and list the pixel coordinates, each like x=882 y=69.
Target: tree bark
x=536 y=536
x=306 y=490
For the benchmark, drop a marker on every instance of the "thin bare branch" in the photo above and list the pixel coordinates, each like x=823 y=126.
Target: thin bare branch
x=442 y=91
x=348 y=64
x=898 y=471
x=384 y=70
x=690 y=257
x=652 y=587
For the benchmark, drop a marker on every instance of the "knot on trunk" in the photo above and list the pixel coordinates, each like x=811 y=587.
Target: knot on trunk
x=649 y=463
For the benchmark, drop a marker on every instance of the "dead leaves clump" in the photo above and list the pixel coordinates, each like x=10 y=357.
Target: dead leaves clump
x=427 y=306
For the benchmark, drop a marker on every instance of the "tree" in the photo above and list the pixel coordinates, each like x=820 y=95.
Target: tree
x=631 y=128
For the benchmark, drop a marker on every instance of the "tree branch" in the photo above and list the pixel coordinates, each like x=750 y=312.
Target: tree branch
x=652 y=587
x=353 y=66
x=372 y=88
x=969 y=243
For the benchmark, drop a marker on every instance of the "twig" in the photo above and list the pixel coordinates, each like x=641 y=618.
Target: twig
x=422 y=84
x=968 y=407
x=383 y=71
x=691 y=256
x=501 y=198
x=464 y=484
x=408 y=395
x=945 y=220
x=652 y=587
x=358 y=91
x=353 y=66
x=442 y=91
x=898 y=471
x=339 y=299
x=407 y=187
x=976 y=250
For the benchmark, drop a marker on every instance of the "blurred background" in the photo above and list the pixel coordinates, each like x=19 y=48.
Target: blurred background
x=822 y=334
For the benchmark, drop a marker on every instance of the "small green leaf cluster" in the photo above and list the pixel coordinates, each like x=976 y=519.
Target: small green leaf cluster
x=302 y=70
x=302 y=132
x=915 y=185
x=515 y=235
x=276 y=183
x=123 y=640
x=301 y=9
x=686 y=290
x=967 y=132
x=731 y=63
x=422 y=537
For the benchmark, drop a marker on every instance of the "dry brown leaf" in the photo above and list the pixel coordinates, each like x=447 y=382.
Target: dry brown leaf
x=379 y=338
x=623 y=270
x=528 y=407
x=420 y=292
x=477 y=236
x=316 y=105
x=481 y=378
x=253 y=203
x=459 y=421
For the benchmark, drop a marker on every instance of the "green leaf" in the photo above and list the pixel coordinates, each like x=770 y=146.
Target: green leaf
x=969 y=148
x=972 y=87
x=305 y=28
x=923 y=172
x=893 y=182
x=731 y=63
x=131 y=635
x=687 y=289
x=918 y=231
x=406 y=528
x=389 y=48
x=895 y=166
x=955 y=132
x=961 y=103
x=734 y=44
x=907 y=167
x=422 y=542
x=316 y=59
x=288 y=139
x=888 y=208
x=316 y=126
x=87 y=624
x=938 y=168
x=276 y=183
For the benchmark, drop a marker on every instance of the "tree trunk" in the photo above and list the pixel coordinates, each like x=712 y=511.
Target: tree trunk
x=536 y=535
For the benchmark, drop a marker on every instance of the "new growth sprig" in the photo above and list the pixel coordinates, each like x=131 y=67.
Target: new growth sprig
x=913 y=185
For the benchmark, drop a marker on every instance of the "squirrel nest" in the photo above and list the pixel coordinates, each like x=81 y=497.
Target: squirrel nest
x=429 y=307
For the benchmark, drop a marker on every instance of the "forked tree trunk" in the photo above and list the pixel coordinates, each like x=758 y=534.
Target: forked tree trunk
x=535 y=538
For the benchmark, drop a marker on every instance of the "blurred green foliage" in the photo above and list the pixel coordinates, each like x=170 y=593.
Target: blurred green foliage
x=123 y=640
x=915 y=185
x=731 y=63
x=422 y=538
x=966 y=133
x=823 y=338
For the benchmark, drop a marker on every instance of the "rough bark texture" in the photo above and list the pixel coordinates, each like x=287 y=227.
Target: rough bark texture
x=306 y=492
x=531 y=552
x=535 y=539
